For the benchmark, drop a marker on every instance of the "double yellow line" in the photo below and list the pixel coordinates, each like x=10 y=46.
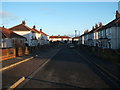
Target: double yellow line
x=16 y=64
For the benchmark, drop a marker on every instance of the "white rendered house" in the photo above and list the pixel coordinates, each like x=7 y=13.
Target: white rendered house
x=26 y=32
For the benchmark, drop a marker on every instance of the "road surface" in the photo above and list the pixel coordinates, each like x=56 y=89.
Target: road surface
x=67 y=69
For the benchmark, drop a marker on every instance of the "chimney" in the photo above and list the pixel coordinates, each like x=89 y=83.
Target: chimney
x=86 y=31
x=117 y=14
x=96 y=26
x=40 y=30
x=92 y=27
x=23 y=22
x=34 y=27
x=100 y=24
x=3 y=26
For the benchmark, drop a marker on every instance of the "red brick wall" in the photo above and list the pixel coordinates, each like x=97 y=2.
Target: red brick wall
x=7 y=53
x=26 y=51
x=11 y=53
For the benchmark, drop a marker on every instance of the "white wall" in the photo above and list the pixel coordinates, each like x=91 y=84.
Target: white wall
x=115 y=37
x=28 y=35
x=83 y=40
x=6 y=43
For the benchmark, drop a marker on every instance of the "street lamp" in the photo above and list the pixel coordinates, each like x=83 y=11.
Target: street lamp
x=75 y=33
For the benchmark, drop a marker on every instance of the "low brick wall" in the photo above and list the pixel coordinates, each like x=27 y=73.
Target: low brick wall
x=9 y=53
x=26 y=51
x=108 y=54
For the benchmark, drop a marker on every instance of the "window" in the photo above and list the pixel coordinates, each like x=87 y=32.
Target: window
x=32 y=37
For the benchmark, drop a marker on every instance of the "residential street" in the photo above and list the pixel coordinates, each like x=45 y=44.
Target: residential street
x=58 y=45
x=67 y=69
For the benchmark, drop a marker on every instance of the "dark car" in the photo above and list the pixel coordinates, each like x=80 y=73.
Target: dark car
x=71 y=46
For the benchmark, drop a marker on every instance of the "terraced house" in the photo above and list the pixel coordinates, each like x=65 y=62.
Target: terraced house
x=107 y=36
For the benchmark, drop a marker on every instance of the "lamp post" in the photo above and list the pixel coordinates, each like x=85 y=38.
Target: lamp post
x=75 y=33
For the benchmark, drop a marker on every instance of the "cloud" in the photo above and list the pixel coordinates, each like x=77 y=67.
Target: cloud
x=5 y=14
x=7 y=17
x=48 y=10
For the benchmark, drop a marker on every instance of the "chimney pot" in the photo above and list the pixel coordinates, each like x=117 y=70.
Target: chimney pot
x=92 y=27
x=100 y=24
x=86 y=31
x=117 y=14
x=34 y=27
x=40 y=30
x=96 y=26
x=23 y=22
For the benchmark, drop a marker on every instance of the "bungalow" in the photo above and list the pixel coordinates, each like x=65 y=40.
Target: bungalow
x=10 y=39
x=60 y=38
x=75 y=38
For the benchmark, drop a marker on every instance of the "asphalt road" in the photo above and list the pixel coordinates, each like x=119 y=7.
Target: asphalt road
x=13 y=74
x=67 y=69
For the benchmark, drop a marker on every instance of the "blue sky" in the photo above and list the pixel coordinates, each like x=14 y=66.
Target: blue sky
x=58 y=17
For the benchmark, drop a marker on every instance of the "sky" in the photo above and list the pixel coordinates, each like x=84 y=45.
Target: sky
x=61 y=18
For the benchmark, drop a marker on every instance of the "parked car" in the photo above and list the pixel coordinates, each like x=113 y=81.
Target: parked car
x=71 y=46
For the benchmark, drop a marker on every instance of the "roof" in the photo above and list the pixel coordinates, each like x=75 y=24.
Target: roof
x=23 y=27
x=9 y=34
x=20 y=27
x=2 y=34
x=44 y=33
x=60 y=37
x=111 y=24
x=35 y=30
x=76 y=37
x=115 y=22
